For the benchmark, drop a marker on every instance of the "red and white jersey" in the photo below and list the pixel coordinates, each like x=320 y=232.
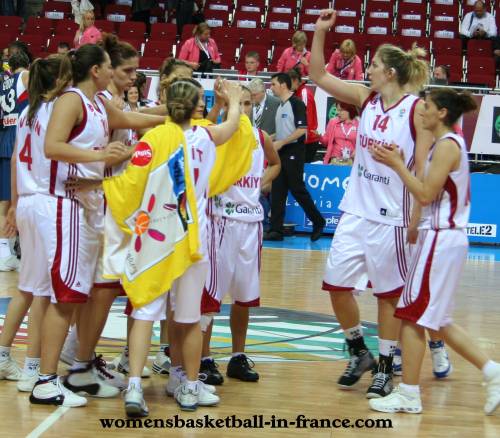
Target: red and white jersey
x=241 y=201
x=451 y=208
x=91 y=133
x=375 y=191
x=201 y=161
x=25 y=168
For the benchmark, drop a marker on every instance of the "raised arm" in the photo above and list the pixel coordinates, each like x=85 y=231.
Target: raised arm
x=223 y=132
x=354 y=94
x=118 y=119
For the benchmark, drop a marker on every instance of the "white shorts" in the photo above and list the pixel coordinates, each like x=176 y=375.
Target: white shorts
x=435 y=270
x=34 y=271
x=185 y=298
x=71 y=245
x=363 y=251
x=234 y=264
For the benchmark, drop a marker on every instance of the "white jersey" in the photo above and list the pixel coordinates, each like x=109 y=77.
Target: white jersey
x=201 y=161
x=375 y=192
x=241 y=201
x=26 y=164
x=451 y=208
x=91 y=133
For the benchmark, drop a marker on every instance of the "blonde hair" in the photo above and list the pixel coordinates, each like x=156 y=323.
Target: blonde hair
x=200 y=28
x=182 y=99
x=348 y=46
x=411 y=70
x=298 y=38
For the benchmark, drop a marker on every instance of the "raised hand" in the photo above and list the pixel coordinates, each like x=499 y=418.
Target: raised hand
x=326 y=19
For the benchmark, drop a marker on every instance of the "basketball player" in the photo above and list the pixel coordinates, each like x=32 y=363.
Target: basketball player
x=236 y=232
x=370 y=241
x=77 y=143
x=441 y=252
x=13 y=99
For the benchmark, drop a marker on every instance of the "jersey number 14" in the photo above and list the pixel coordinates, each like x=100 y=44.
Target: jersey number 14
x=380 y=124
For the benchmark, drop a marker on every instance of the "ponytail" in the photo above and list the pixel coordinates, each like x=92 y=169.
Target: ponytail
x=118 y=51
x=454 y=102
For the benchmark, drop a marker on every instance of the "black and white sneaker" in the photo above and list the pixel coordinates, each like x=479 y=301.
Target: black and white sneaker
x=358 y=365
x=86 y=381
x=240 y=367
x=381 y=385
x=53 y=392
x=210 y=368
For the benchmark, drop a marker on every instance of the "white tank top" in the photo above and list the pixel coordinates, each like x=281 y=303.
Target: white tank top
x=375 y=191
x=91 y=133
x=201 y=161
x=36 y=180
x=241 y=200
x=451 y=208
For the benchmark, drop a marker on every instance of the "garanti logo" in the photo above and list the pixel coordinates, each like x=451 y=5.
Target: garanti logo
x=363 y=172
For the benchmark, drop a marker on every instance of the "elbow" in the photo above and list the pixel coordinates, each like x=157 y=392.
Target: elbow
x=50 y=152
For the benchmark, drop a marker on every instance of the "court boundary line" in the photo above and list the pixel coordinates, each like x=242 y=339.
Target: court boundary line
x=48 y=422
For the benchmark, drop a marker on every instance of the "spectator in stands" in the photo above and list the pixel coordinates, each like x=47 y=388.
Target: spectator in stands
x=132 y=97
x=5 y=59
x=304 y=93
x=264 y=107
x=345 y=64
x=295 y=56
x=20 y=46
x=441 y=75
x=200 y=51
x=141 y=11
x=63 y=48
x=141 y=84
x=184 y=11
x=88 y=33
x=478 y=24
x=340 y=135
x=252 y=63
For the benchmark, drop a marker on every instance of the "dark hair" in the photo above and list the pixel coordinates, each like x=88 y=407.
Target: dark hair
x=454 y=102
x=21 y=46
x=446 y=70
x=170 y=64
x=83 y=59
x=63 y=45
x=18 y=60
x=140 y=79
x=182 y=99
x=294 y=74
x=118 y=51
x=351 y=109
x=253 y=54
x=48 y=78
x=283 y=78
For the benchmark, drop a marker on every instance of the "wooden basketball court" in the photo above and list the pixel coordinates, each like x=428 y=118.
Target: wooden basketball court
x=293 y=382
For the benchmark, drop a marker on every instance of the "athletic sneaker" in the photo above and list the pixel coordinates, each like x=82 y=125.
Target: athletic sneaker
x=174 y=381
x=356 y=367
x=240 y=367
x=187 y=398
x=9 y=370
x=210 y=368
x=381 y=385
x=53 y=392
x=206 y=397
x=441 y=366
x=111 y=377
x=9 y=263
x=161 y=364
x=27 y=382
x=87 y=381
x=397 y=363
x=398 y=400
x=121 y=364
x=492 y=395
x=135 y=405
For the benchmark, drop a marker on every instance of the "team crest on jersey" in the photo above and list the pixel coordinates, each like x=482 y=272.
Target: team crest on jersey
x=229 y=209
x=402 y=112
x=143 y=154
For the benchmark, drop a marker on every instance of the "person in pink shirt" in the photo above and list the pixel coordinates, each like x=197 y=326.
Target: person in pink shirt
x=295 y=56
x=340 y=135
x=88 y=33
x=200 y=51
x=345 y=64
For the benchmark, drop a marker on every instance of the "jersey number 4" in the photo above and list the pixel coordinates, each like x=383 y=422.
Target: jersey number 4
x=25 y=153
x=380 y=124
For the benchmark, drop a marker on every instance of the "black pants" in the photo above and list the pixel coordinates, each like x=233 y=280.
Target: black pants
x=291 y=178
x=311 y=149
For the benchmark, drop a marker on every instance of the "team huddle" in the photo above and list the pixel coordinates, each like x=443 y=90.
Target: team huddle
x=101 y=214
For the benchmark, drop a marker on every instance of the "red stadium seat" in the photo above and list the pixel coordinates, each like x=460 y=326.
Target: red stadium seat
x=118 y=13
x=215 y=18
x=445 y=46
x=481 y=65
x=56 y=10
x=55 y=40
x=65 y=27
x=132 y=29
x=486 y=79
x=10 y=25
x=160 y=48
x=35 y=43
x=454 y=63
x=263 y=52
x=163 y=30
x=280 y=21
x=219 y=5
x=482 y=48
x=248 y=20
x=252 y=5
x=39 y=26
x=105 y=26
x=150 y=63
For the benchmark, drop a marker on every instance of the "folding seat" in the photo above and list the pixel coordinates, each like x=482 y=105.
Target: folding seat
x=406 y=43
x=280 y=21
x=10 y=25
x=163 y=30
x=132 y=29
x=444 y=19
x=454 y=63
x=219 y=5
x=65 y=27
x=55 y=40
x=282 y=6
x=118 y=13
x=187 y=31
x=445 y=46
x=39 y=26
x=227 y=53
x=150 y=63
x=264 y=53
x=482 y=48
x=216 y=18
x=36 y=43
x=56 y=10
x=481 y=65
x=249 y=20
x=136 y=43
x=486 y=79
x=105 y=26
x=6 y=39
x=159 y=48
x=252 y=6
x=282 y=38
x=411 y=19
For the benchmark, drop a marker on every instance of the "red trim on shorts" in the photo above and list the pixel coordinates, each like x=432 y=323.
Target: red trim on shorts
x=414 y=311
x=110 y=285
x=209 y=304
x=396 y=293
x=128 y=308
x=253 y=303
x=333 y=288
x=63 y=293
x=53 y=176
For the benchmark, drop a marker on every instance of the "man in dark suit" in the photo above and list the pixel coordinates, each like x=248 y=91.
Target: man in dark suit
x=264 y=107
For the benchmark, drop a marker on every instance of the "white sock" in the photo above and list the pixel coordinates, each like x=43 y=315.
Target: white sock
x=387 y=347
x=4 y=353
x=31 y=365
x=73 y=334
x=354 y=332
x=134 y=381
x=412 y=389
x=79 y=365
x=191 y=384
x=5 y=248
x=489 y=370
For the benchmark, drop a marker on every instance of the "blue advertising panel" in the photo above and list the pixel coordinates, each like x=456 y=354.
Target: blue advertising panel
x=327 y=184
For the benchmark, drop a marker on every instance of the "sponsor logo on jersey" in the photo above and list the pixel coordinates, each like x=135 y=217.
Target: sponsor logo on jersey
x=249 y=182
x=231 y=209
x=142 y=154
x=367 y=142
x=363 y=172
x=10 y=120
